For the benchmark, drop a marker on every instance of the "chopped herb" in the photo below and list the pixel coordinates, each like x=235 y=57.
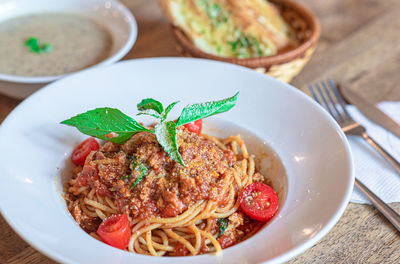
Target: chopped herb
x=256 y=43
x=139 y=169
x=34 y=46
x=203 y=3
x=126 y=177
x=244 y=46
x=219 y=48
x=136 y=182
x=243 y=54
x=214 y=11
x=233 y=45
x=46 y=47
x=244 y=42
x=112 y=189
x=223 y=225
x=102 y=122
x=237 y=33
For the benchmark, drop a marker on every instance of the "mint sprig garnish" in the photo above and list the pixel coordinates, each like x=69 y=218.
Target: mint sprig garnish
x=111 y=124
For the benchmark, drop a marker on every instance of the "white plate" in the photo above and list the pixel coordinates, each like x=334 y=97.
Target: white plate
x=111 y=14
x=35 y=149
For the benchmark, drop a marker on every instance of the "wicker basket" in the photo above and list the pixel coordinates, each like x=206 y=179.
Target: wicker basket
x=283 y=66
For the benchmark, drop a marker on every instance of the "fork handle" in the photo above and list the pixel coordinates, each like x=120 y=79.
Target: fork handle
x=382 y=207
x=383 y=152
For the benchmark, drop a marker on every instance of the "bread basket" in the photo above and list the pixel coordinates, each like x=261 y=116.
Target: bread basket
x=286 y=64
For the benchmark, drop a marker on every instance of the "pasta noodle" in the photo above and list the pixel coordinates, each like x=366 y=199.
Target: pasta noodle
x=195 y=228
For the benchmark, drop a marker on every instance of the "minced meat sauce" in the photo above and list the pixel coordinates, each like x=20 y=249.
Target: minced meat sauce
x=168 y=188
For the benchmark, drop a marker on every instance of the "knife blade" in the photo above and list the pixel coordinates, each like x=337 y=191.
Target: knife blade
x=372 y=112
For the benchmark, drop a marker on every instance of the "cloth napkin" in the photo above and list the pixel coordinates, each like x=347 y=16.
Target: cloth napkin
x=370 y=167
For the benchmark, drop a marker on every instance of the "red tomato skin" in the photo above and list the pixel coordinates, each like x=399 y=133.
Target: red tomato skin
x=83 y=150
x=115 y=231
x=254 y=199
x=195 y=126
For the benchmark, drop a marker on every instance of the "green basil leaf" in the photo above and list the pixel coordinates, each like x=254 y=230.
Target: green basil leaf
x=150 y=112
x=223 y=225
x=169 y=108
x=150 y=103
x=109 y=124
x=198 y=111
x=166 y=136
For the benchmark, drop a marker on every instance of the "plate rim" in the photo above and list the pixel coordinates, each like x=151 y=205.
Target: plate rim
x=295 y=251
x=133 y=33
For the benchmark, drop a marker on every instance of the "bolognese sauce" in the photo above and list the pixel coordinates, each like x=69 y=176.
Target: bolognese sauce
x=173 y=210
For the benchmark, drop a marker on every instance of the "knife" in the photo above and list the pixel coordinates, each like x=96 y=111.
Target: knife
x=372 y=112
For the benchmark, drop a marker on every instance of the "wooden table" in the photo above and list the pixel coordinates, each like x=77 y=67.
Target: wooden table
x=359 y=46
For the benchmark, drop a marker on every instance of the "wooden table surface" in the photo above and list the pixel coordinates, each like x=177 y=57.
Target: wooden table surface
x=359 y=46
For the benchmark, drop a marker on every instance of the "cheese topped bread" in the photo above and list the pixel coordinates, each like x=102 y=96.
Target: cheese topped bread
x=231 y=28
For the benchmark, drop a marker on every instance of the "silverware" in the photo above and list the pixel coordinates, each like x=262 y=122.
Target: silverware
x=328 y=92
x=327 y=95
x=372 y=112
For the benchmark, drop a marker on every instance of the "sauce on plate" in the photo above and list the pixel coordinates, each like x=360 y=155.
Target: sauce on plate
x=77 y=43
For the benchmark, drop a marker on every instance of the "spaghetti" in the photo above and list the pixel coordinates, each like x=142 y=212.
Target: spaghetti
x=172 y=210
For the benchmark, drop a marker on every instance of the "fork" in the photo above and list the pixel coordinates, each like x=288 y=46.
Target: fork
x=325 y=94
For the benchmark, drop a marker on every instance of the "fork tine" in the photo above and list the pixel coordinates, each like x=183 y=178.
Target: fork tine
x=332 y=102
x=314 y=94
x=338 y=97
x=326 y=105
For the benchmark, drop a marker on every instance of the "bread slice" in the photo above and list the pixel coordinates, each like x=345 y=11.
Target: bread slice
x=230 y=28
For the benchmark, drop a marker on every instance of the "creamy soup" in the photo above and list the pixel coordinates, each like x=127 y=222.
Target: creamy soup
x=76 y=42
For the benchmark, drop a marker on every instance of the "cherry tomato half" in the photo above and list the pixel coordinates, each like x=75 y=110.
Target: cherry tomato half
x=83 y=150
x=195 y=126
x=115 y=231
x=259 y=201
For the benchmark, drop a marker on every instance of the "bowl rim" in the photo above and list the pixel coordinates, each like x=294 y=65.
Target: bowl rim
x=279 y=58
x=279 y=259
x=133 y=32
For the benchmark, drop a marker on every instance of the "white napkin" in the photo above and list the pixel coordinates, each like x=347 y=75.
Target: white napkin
x=371 y=168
